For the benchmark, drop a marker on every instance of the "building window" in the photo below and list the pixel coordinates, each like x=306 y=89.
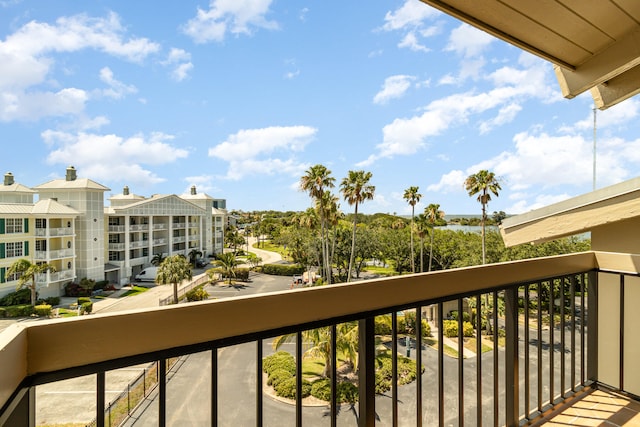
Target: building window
x=41 y=223
x=41 y=245
x=13 y=225
x=12 y=277
x=13 y=249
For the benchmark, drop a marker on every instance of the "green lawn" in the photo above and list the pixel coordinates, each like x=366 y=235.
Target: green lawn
x=135 y=290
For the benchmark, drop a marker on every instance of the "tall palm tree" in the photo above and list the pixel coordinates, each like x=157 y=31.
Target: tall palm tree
x=173 y=270
x=356 y=189
x=157 y=259
x=315 y=181
x=422 y=228
x=194 y=254
x=332 y=215
x=27 y=272
x=412 y=196
x=433 y=214
x=483 y=183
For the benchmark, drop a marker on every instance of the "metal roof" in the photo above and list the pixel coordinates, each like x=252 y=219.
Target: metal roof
x=593 y=44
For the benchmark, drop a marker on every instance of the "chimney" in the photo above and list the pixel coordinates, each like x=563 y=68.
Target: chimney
x=193 y=190
x=8 y=178
x=71 y=173
x=125 y=191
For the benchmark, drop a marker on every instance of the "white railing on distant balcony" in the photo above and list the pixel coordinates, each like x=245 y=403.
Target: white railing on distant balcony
x=55 y=254
x=54 y=232
x=159 y=226
x=193 y=237
x=179 y=225
x=116 y=229
x=116 y=246
x=157 y=242
x=139 y=227
x=179 y=239
x=194 y=224
x=58 y=276
x=138 y=244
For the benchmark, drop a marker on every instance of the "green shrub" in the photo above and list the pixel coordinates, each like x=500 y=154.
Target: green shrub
x=282 y=269
x=53 y=301
x=86 y=307
x=87 y=284
x=383 y=325
x=197 y=294
x=3 y=312
x=19 y=310
x=466 y=317
x=277 y=376
x=242 y=274
x=100 y=285
x=321 y=389
x=82 y=300
x=347 y=392
x=287 y=388
x=451 y=328
x=43 y=310
x=21 y=296
x=279 y=360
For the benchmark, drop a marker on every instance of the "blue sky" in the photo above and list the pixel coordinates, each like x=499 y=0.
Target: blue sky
x=240 y=97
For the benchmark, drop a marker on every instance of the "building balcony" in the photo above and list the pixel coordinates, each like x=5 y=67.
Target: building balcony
x=157 y=242
x=116 y=246
x=570 y=341
x=116 y=229
x=54 y=232
x=58 y=276
x=159 y=226
x=139 y=227
x=179 y=225
x=54 y=254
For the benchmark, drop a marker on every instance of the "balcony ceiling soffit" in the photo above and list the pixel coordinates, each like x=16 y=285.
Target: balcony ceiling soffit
x=593 y=44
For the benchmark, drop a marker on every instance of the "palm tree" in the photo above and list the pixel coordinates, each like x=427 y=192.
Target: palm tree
x=483 y=183
x=433 y=214
x=332 y=215
x=412 y=196
x=27 y=273
x=157 y=259
x=422 y=228
x=356 y=189
x=228 y=262
x=173 y=270
x=315 y=180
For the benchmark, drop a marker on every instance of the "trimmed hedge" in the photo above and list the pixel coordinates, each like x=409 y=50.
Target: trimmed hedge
x=279 y=360
x=23 y=310
x=451 y=328
x=43 y=310
x=86 y=307
x=282 y=269
x=346 y=392
x=287 y=388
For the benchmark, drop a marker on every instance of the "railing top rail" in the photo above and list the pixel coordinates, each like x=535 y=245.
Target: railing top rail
x=42 y=347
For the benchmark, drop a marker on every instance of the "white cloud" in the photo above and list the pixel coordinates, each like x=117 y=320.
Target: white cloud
x=539 y=201
x=251 y=151
x=233 y=16
x=411 y=14
x=405 y=136
x=394 y=87
x=410 y=41
x=117 y=89
x=468 y=41
x=180 y=60
x=203 y=183
x=27 y=62
x=452 y=181
x=505 y=115
x=111 y=157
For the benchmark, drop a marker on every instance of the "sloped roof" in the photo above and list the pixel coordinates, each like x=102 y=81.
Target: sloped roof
x=16 y=188
x=156 y=198
x=76 y=184
x=47 y=207
x=574 y=216
x=594 y=45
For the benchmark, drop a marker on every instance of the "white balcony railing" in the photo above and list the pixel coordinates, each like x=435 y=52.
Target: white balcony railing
x=54 y=232
x=116 y=229
x=116 y=246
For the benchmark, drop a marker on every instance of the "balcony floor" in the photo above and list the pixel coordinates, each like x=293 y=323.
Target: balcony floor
x=598 y=408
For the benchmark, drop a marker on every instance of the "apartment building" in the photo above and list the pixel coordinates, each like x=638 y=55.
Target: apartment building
x=70 y=228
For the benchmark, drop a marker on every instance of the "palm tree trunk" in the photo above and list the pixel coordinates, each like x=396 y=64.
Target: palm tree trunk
x=484 y=252
x=175 y=293
x=353 y=242
x=421 y=254
x=413 y=261
x=431 y=249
